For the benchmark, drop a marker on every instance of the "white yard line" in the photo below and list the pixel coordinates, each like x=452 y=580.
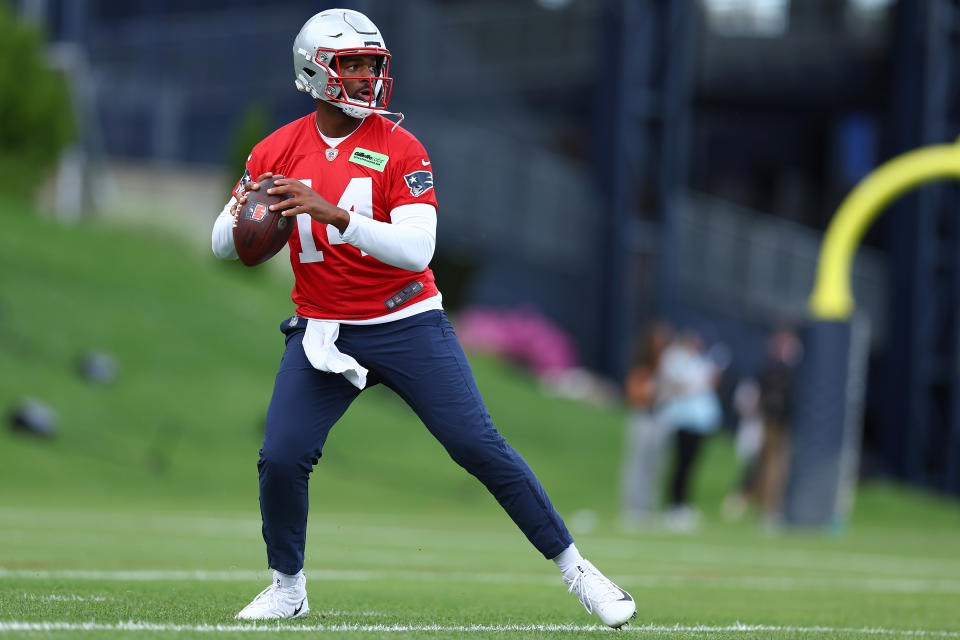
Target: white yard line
x=865 y=585
x=859 y=571
x=64 y=597
x=775 y=583
x=10 y=626
x=24 y=522
x=352 y=614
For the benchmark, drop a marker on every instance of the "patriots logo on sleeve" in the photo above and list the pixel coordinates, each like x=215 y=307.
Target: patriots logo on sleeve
x=419 y=182
x=244 y=180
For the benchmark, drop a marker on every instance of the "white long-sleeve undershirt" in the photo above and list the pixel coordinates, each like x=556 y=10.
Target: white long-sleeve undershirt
x=406 y=242
x=223 y=246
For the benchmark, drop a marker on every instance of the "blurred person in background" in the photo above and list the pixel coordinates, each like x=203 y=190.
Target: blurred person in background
x=367 y=303
x=690 y=410
x=776 y=380
x=764 y=405
x=640 y=490
x=747 y=446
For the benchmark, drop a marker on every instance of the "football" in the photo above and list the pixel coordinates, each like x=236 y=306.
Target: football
x=260 y=233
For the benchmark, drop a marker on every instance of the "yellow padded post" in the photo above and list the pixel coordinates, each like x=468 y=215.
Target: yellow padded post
x=831 y=298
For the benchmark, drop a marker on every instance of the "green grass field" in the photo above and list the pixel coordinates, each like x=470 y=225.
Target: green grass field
x=140 y=519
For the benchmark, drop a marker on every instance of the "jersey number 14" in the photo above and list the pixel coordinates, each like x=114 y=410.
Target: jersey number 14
x=357 y=197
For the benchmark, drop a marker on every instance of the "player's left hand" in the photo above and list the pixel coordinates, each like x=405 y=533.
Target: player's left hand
x=303 y=199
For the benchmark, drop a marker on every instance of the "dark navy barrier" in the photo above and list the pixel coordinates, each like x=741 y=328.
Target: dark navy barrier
x=827 y=425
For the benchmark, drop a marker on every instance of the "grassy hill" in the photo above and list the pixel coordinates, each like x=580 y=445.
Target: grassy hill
x=198 y=344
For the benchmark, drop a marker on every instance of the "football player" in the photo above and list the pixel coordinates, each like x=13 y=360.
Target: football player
x=368 y=310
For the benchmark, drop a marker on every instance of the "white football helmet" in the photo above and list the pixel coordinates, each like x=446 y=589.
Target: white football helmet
x=316 y=60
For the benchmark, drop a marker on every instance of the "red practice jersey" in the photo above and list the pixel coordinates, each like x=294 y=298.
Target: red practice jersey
x=375 y=170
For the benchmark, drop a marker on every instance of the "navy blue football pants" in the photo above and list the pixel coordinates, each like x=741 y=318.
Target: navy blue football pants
x=421 y=360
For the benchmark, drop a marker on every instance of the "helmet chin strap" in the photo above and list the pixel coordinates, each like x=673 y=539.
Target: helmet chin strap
x=355 y=111
x=352 y=110
x=399 y=115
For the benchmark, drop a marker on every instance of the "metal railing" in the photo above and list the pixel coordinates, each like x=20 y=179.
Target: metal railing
x=762 y=266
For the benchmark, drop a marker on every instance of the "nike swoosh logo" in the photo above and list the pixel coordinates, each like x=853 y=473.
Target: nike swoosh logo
x=297 y=610
x=425 y=162
x=626 y=596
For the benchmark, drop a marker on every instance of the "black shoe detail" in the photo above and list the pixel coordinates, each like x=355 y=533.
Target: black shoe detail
x=626 y=596
x=297 y=610
x=626 y=623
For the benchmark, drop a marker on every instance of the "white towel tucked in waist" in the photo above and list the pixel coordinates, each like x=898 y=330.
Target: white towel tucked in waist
x=319 y=343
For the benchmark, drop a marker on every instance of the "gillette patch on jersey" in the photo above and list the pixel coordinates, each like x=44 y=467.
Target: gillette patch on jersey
x=403 y=295
x=369 y=158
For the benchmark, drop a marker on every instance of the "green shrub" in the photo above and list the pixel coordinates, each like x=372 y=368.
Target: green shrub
x=254 y=125
x=36 y=116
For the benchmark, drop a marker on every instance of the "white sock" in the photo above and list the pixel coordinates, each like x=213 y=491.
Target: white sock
x=568 y=560
x=285 y=580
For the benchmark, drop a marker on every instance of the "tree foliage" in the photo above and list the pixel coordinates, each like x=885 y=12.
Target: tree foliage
x=253 y=126
x=36 y=117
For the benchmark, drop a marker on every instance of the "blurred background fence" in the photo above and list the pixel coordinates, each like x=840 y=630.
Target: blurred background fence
x=609 y=162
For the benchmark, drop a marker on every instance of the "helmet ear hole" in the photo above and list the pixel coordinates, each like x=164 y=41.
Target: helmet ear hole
x=309 y=72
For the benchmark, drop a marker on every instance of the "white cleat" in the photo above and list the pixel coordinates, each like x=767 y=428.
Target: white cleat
x=599 y=595
x=276 y=602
